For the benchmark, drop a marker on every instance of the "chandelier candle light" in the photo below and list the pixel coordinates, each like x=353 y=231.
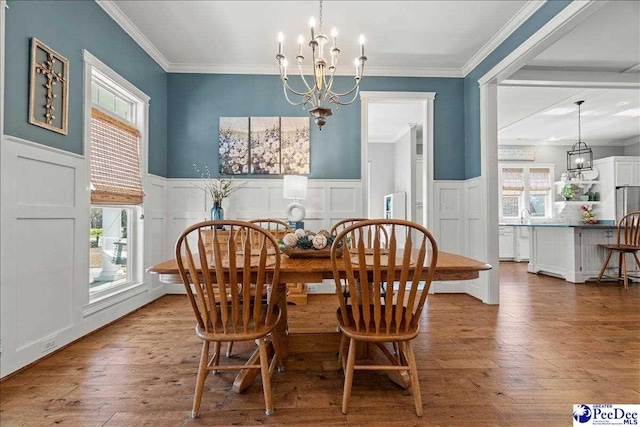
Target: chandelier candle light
x=319 y=94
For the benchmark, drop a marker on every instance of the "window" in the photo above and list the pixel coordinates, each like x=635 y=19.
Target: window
x=116 y=124
x=525 y=187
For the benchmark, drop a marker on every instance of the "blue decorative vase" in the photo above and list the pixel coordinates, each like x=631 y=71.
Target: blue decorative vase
x=217 y=213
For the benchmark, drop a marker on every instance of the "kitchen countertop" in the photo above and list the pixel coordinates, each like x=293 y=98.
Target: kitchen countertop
x=600 y=226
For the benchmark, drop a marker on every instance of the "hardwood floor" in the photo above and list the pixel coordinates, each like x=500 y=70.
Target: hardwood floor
x=548 y=345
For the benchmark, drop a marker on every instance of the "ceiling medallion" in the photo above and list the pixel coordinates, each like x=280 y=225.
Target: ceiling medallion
x=319 y=95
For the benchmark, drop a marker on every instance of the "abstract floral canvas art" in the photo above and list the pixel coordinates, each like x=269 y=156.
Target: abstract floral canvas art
x=234 y=145
x=294 y=134
x=264 y=145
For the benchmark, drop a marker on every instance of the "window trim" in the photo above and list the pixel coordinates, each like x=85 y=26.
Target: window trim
x=526 y=167
x=141 y=111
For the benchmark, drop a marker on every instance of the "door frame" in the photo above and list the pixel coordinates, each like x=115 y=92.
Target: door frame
x=557 y=27
x=427 y=101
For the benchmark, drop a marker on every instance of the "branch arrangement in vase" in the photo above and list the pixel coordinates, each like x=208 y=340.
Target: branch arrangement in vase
x=218 y=188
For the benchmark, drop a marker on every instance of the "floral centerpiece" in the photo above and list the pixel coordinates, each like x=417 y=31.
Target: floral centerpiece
x=588 y=217
x=307 y=243
x=218 y=188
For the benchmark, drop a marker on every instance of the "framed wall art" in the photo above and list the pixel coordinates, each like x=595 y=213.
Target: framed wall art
x=234 y=145
x=48 y=88
x=264 y=145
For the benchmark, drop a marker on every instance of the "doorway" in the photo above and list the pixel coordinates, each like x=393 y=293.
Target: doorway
x=398 y=125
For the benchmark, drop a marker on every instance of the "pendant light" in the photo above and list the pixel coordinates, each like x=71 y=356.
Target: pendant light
x=580 y=157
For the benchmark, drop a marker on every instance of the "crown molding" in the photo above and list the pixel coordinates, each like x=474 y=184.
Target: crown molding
x=514 y=23
x=592 y=143
x=129 y=27
x=273 y=70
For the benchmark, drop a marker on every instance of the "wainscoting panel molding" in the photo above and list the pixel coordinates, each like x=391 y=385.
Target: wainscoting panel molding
x=44 y=253
x=448 y=226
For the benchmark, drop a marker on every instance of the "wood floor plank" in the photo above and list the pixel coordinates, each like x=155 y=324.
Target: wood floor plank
x=548 y=345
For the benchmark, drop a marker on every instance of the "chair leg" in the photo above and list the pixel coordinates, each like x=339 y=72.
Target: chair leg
x=229 y=348
x=216 y=358
x=624 y=270
x=343 y=343
x=604 y=266
x=266 y=375
x=202 y=375
x=637 y=260
x=348 y=376
x=415 y=384
x=277 y=349
x=620 y=256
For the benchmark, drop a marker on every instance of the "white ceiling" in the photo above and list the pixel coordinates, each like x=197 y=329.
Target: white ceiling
x=547 y=115
x=403 y=37
x=607 y=41
x=388 y=121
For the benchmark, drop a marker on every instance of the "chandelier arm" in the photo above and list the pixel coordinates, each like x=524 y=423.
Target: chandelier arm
x=295 y=92
x=355 y=96
x=329 y=85
x=305 y=99
x=304 y=78
x=348 y=92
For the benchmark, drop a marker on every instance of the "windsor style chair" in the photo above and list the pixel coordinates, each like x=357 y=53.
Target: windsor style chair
x=628 y=242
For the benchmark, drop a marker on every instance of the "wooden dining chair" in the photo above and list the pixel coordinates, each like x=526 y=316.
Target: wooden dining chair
x=227 y=297
x=394 y=318
x=627 y=242
x=366 y=236
x=277 y=228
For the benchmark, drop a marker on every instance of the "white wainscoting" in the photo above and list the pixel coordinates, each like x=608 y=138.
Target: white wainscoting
x=474 y=234
x=328 y=201
x=44 y=262
x=449 y=229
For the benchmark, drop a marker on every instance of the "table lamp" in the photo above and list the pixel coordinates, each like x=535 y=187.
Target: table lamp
x=295 y=187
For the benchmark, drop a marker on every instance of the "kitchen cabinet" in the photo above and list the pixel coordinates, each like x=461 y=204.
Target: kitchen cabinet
x=513 y=243
x=618 y=171
x=570 y=252
x=505 y=242
x=627 y=172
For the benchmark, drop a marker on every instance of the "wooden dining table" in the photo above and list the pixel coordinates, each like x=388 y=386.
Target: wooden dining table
x=449 y=267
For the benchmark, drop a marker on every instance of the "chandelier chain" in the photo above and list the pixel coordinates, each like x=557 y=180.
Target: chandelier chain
x=320 y=18
x=579 y=124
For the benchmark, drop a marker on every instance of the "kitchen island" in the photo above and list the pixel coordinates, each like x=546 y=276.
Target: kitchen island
x=569 y=251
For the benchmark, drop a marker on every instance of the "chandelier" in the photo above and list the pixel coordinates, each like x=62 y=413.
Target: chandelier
x=319 y=94
x=580 y=157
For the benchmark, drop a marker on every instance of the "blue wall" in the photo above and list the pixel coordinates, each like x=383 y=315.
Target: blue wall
x=68 y=27
x=472 y=90
x=196 y=102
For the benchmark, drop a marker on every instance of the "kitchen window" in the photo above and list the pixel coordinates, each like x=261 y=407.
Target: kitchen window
x=525 y=187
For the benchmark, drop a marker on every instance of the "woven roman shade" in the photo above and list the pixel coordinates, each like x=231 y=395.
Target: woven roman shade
x=512 y=179
x=115 y=161
x=539 y=180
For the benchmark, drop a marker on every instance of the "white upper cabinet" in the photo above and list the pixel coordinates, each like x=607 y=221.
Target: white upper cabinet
x=627 y=172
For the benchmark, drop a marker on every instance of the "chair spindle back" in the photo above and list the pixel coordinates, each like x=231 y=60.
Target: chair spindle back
x=401 y=261
x=629 y=229
x=226 y=279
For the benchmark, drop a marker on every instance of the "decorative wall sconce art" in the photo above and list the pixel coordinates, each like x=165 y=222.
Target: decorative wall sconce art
x=49 y=88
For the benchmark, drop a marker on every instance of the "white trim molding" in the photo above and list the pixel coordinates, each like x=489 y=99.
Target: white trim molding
x=130 y=28
x=558 y=26
x=567 y=19
x=427 y=101
x=514 y=23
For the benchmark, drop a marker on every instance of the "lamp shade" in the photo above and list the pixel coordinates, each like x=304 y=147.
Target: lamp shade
x=295 y=187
